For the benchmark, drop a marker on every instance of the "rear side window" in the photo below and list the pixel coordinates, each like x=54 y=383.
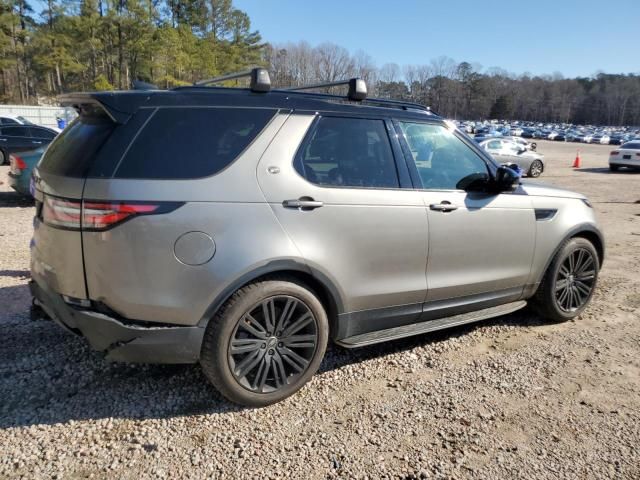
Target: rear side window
x=348 y=152
x=72 y=152
x=42 y=133
x=182 y=143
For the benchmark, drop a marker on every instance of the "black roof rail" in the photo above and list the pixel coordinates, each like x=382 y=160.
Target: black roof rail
x=260 y=80
x=374 y=102
x=357 y=87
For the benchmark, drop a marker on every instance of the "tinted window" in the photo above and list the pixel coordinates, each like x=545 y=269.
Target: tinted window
x=631 y=145
x=191 y=142
x=9 y=121
x=73 y=151
x=348 y=152
x=442 y=159
x=16 y=131
x=42 y=133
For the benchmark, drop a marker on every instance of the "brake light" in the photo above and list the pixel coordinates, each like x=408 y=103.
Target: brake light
x=95 y=215
x=16 y=163
x=615 y=152
x=638 y=154
x=61 y=213
x=100 y=216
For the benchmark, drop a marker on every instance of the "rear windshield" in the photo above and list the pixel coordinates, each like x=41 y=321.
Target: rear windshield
x=632 y=145
x=73 y=151
x=181 y=143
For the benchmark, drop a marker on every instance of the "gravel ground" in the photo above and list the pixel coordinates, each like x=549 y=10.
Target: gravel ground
x=513 y=397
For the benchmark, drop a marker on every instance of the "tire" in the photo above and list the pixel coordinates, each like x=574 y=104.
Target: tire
x=614 y=168
x=4 y=158
x=281 y=364
x=535 y=169
x=549 y=300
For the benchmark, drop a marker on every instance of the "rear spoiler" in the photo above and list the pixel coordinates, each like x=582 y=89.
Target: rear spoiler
x=119 y=106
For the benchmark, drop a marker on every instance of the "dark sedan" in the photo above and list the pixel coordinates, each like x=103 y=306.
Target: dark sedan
x=18 y=138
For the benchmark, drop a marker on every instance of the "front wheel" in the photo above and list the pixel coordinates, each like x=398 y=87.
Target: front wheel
x=266 y=342
x=569 y=282
x=535 y=169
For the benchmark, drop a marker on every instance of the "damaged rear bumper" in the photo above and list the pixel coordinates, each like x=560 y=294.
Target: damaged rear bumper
x=119 y=340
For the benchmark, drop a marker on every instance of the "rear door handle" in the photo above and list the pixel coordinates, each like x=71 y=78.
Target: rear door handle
x=443 y=207
x=303 y=203
x=35 y=141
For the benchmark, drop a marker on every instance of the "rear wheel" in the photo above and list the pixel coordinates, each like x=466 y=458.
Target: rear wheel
x=569 y=282
x=266 y=342
x=614 y=168
x=3 y=157
x=535 y=169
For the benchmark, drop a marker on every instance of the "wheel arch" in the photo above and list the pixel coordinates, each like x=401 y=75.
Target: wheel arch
x=322 y=286
x=587 y=231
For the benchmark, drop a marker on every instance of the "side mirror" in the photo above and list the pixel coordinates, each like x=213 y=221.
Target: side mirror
x=476 y=182
x=507 y=179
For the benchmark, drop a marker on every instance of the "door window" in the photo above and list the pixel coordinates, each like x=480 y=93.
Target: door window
x=16 y=131
x=42 y=133
x=494 y=145
x=348 y=152
x=442 y=159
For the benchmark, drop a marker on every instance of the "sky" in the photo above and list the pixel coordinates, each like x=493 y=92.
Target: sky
x=573 y=37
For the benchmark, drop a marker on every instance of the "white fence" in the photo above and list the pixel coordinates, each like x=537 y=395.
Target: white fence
x=46 y=116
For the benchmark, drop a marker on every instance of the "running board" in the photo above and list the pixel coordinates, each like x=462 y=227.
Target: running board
x=428 y=326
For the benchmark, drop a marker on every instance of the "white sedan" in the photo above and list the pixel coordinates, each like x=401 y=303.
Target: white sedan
x=628 y=155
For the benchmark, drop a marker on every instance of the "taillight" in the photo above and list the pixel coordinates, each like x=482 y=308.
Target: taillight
x=615 y=152
x=61 y=213
x=16 y=164
x=96 y=215
x=638 y=154
x=100 y=216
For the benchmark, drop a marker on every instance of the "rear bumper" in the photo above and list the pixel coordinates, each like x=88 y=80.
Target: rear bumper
x=119 y=340
x=20 y=183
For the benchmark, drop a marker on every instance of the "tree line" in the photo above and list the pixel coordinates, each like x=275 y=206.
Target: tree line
x=466 y=91
x=81 y=45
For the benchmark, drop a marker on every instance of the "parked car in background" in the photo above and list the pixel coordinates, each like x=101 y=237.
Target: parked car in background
x=19 y=138
x=628 y=155
x=7 y=119
x=21 y=166
x=508 y=151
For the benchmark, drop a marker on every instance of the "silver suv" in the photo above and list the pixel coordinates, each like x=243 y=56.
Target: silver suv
x=243 y=228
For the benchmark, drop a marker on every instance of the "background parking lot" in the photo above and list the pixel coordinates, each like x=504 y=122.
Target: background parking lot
x=512 y=397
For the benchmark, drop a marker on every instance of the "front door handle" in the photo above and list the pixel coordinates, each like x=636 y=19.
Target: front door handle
x=302 y=203
x=443 y=206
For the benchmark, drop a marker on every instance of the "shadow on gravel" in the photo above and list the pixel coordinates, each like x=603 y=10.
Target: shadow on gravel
x=15 y=273
x=606 y=170
x=49 y=376
x=14 y=199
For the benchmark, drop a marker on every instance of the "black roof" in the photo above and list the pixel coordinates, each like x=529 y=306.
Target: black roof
x=121 y=104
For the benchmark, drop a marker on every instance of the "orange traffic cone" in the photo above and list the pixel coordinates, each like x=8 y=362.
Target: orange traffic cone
x=576 y=162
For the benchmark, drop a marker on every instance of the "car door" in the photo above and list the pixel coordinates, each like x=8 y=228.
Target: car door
x=16 y=138
x=338 y=190
x=41 y=136
x=481 y=245
x=494 y=147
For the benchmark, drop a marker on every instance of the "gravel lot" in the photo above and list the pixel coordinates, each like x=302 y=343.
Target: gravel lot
x=513 y=397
